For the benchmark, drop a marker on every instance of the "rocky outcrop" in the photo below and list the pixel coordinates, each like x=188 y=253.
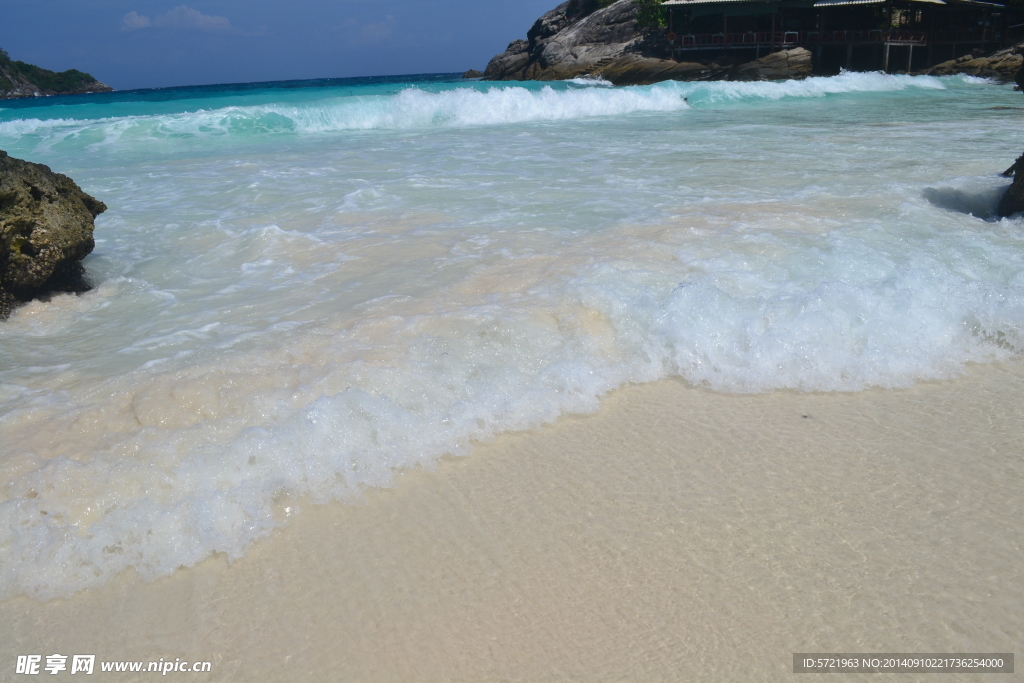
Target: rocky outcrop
x=795 y=63
x=572 y=40
x=579 y=38
x=1013 y=200
x=636 y=69
x=1001 y=65
x=46 y=229
x=631 y=68
x=18 y=79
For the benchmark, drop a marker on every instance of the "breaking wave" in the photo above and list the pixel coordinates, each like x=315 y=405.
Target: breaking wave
x=302 y=325
x=416 y=108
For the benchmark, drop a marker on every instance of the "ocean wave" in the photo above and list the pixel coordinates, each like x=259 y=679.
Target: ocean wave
x=174 y=465
x=281 y=327
x=416 y=108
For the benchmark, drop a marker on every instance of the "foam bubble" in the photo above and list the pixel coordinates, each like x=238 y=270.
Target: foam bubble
x=418 y=108
x=308 y=322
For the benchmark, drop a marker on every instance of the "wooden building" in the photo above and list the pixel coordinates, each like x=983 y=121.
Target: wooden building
x=858 y=35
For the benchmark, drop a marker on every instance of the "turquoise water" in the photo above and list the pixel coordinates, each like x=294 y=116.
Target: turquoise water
x=303 y=288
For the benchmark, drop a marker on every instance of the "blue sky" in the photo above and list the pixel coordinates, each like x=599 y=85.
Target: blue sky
x=157 y=43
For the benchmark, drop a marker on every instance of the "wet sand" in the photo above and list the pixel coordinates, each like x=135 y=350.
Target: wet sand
x=677 y=535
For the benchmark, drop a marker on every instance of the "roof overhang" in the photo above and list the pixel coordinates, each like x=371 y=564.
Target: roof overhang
x=978 y=3
x=718 y=2
x=843 y=3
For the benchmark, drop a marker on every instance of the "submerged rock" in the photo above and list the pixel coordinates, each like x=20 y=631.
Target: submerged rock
x=1013 y=201
x=46 y=229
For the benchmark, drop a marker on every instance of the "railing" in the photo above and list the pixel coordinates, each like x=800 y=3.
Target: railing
x=750 y=38
x=702 y=41
x=907 y=37
x=975 y=35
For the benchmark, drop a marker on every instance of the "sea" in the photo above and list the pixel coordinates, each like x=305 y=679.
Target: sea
x=303 y=289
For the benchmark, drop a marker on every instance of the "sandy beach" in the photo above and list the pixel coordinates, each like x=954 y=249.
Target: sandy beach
x=677 y=535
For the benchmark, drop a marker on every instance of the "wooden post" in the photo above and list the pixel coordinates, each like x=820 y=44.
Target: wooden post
x=821 y=39
x=888 y=31
x=931 y=32
x=771 y=40
x=849 y=56
x=910 y=59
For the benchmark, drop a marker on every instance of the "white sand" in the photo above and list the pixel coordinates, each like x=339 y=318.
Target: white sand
x=678 y=535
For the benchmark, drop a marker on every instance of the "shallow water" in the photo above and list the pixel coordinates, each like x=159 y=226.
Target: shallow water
x=302 y=287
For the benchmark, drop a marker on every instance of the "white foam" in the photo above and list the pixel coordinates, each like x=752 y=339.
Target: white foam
x=416 y=108
x=845 y=83
x=308 y=322
x=592 y=81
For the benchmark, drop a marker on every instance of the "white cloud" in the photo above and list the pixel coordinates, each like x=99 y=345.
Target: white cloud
x=134 y=20
x=186 y=17
x=181 y=17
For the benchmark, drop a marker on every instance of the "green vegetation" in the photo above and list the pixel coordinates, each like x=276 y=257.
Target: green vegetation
x=44 y=79
x=650 y=14
x=49 y=80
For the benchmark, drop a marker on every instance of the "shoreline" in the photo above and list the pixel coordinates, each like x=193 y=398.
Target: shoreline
x=677 y=534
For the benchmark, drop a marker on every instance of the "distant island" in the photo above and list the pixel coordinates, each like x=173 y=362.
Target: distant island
x=18 y=79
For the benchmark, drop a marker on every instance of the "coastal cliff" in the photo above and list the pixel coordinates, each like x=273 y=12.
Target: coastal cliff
x=18 y=79
x=580 y=39
x=46 y=229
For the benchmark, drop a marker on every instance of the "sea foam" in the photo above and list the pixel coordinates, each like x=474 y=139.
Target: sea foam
x=418 y=108
x=302 y=321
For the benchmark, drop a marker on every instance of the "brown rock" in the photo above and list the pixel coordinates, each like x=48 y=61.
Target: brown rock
x=785 y=64
x=633 y=69
x=46 y=229
x=1001 y=65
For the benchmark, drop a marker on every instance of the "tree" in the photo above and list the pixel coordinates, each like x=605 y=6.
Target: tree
x=650 y=14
